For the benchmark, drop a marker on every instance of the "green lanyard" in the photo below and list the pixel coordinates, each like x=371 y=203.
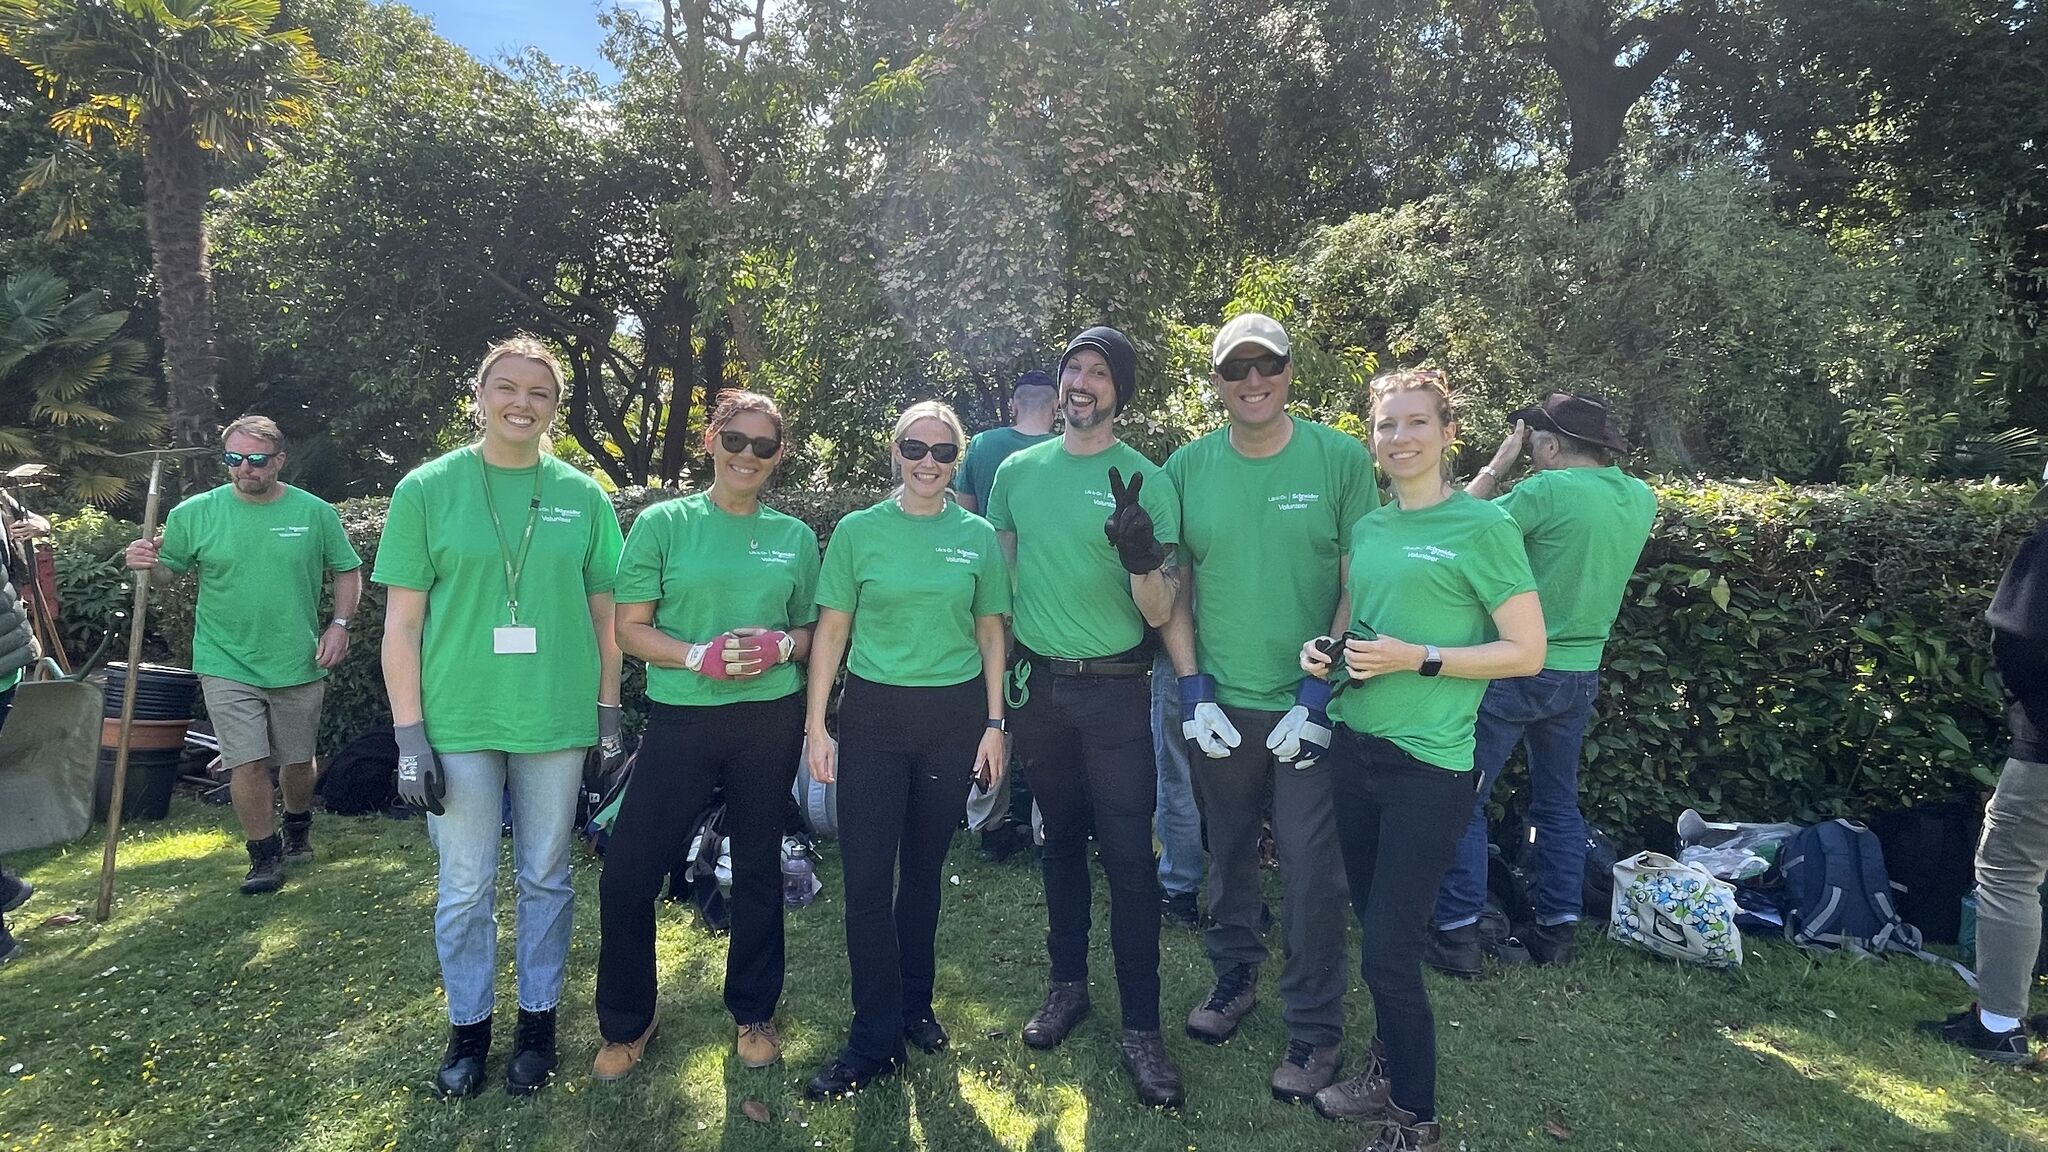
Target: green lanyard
x=512 y=567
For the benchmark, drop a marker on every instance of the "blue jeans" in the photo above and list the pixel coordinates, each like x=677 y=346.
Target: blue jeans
x=1176 y=820
x=544 y=788
x=1548 y=712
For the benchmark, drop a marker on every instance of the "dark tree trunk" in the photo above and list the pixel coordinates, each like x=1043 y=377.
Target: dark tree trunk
x=1584 y=46
x=174 y=198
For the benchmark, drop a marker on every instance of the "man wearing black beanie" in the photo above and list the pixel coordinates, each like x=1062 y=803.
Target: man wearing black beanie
x=1086 y=523
x=2012 y=856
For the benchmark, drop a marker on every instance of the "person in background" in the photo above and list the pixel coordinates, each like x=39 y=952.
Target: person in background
x=498 y=560
x=18 y=651
x=1033 y=400
x=919 y=584
x=263 y=550
x=717 y=593
x=1442 y=601
x=1584 y=523
x=2012 y=854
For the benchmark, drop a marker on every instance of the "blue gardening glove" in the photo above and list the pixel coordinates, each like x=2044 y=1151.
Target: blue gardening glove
x=420 y=783
x=1303 y=735
x=611 y=746
x=1202 y=721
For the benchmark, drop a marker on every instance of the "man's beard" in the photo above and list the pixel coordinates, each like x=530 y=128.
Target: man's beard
x=1095 y=415
x=255 y=485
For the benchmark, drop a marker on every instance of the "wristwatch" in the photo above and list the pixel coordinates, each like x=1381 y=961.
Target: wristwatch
x=1490 y=470
x=1432 y=661
x=999 y=725
x=340 y=622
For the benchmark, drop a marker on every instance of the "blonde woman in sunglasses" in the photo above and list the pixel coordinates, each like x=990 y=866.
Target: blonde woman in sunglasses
x=715 y=593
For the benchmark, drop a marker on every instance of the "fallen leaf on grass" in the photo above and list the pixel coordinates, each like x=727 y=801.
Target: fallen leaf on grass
x=1829 y=1013
x=755 y=1110
x=63 y=920
x=1555 y=1127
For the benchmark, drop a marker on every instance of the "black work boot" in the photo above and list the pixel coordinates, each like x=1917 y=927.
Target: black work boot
x=266 y=866
x=1553 y=943
x=297 y=830
x=533 y=1053
x=1966 y=1030
x=462 y=1066
x=14 y=891
x=1152 y=1070
x=1454 y=951
x=1066 y=1001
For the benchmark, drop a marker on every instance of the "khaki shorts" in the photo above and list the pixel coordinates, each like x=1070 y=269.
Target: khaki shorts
x=255 y=724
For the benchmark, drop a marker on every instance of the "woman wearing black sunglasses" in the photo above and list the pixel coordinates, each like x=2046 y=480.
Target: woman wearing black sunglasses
x=715 y=593
x=920 y=584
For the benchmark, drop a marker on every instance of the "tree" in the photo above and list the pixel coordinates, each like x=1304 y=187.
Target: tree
x=175 y=79
x=72 y=389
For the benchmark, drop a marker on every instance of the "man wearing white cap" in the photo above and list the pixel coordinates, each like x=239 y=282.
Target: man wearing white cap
x=1267 y=504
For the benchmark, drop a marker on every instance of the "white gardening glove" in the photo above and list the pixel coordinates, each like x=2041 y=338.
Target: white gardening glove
x=1203 y=721
x=1303 y=735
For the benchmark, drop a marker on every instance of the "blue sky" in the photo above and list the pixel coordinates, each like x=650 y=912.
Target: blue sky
x=564 y=29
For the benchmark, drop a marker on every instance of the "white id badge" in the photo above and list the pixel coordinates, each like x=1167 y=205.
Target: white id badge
x=512 y=641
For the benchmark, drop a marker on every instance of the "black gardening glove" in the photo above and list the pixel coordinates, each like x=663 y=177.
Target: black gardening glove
x=420 y=783
x=1130 y=527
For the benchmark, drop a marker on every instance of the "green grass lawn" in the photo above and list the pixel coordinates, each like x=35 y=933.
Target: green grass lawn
x=197 y=1018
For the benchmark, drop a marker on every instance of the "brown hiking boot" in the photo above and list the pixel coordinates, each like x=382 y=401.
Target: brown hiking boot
x=1400 y=1133
x=1230 y=1001
x=266 y=866
x=1066 y=1001
x=614 y=1060
x=298 y=838
x=1306 y=1070
x=1363 y=1097
x=759 y=1045
x=1151 y=1069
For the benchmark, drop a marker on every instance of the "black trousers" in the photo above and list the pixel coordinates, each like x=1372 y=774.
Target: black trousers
x=906 y=756
x=1398 y=823
x=750 y=750
x=1087 y=742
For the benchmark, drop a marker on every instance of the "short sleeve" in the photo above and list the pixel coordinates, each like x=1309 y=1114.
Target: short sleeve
x=1161 y=499
x=803 y=599
x=991 y=581
x=998 y=510
x=341 y=555
x=1499 y=565
x=402 y=559
x=178 y=549
x=1528 y=502
x=838 y=583
x=1357 y=491
x=963 y=480
x=642 y=559
x=601 y=563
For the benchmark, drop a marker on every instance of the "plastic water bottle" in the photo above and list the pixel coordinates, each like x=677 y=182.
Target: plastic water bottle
x=797 y=880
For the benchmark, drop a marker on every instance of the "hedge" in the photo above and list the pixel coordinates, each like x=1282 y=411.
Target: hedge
x=1783 y=653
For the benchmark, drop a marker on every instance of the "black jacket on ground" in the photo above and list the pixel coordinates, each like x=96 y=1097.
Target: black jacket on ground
x=2019 y=644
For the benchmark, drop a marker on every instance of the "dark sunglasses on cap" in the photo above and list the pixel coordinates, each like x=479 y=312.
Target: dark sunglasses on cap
x=737 y=442
x=1235 y=370
x=254 y=459
x=916 y=449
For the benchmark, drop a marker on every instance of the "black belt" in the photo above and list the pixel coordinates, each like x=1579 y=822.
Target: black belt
x=1136 y=662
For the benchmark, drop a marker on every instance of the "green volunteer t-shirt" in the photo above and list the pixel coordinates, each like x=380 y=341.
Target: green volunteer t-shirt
x=986 y=453
x=1073 y=596
x=1431 y=576
x=11 y=680
x=1263 y=537
x=261 y=568
x=439 y=538
x=708 y=572
x=1584 y=529
x=914 y=585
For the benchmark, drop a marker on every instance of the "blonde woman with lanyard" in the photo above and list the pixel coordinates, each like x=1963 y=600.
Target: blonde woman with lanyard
x=502 y=672
x=920 y=584
x=1441 y=600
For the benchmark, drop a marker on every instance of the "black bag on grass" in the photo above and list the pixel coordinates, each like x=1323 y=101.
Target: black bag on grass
x=364 y=777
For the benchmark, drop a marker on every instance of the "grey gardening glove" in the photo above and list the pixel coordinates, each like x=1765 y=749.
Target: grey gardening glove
x=420 y=783
x=611 y=746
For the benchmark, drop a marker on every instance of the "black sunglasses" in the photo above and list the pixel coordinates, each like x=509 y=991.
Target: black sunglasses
x=737 y=442
x=1235 y=370
x=255 y=459
x=916 y=449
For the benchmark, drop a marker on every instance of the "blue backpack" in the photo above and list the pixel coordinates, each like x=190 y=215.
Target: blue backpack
x=1837 y=895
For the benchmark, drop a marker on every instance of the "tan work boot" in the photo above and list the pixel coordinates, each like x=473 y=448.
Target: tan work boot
x=615 y=1061
x=1306 y=1070
x=1400 y=1132
x=1364 y=1096
x=1230 y=1001
x=759 y=1044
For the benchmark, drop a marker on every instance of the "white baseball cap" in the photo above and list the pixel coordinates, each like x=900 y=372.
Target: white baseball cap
x=1249 y=328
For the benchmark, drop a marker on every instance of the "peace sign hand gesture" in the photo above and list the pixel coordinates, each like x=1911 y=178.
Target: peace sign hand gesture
x=1130 y=527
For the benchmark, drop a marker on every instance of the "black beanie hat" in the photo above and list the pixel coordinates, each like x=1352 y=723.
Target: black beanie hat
x=1114 y=347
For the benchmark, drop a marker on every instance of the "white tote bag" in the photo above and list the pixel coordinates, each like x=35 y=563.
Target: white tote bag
x=1676 y=910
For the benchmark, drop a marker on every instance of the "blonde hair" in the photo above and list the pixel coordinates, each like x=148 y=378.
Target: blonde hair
x=732 y=402
x=261 y=427
x=927 y=410
x=1431 y=380
x=525 y=347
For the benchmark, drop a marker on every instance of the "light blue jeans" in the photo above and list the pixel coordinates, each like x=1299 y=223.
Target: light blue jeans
x=1176 y=820
x=544 y=788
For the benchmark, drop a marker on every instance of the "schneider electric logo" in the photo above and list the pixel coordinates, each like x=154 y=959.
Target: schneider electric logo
x=1293 y=501
x=1430 y=552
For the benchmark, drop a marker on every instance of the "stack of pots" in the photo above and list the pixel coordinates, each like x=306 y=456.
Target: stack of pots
x=156 y=740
